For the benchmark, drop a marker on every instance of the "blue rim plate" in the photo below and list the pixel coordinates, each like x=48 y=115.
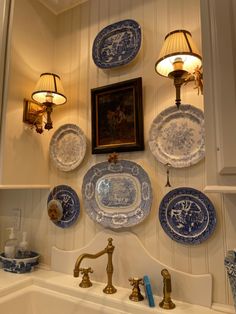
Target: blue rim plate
x=117 y=195
x=117 y=44
x=187 y=215
x=70 y=204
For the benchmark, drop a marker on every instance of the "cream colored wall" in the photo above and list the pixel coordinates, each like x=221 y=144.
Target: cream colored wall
x=31 y=53
x=76 y=30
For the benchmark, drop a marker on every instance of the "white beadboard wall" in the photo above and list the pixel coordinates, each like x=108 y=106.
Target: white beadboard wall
x=74 y=35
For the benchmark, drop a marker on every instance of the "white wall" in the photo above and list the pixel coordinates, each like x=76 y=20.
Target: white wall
x=76 y=30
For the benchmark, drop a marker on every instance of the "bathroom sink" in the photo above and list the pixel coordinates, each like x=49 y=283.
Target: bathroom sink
x=50 y=292
x=38 y=300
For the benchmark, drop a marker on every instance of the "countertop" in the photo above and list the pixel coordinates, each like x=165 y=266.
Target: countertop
x=69 y=285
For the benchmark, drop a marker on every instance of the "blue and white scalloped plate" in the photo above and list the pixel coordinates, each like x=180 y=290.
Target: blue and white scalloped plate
x=117 y=44
x=70 y=204
x=187 y=215
x=177 y=136
x=67 y=147
x=117 y=195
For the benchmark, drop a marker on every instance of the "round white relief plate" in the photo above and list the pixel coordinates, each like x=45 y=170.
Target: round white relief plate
x=117 y=195
x=67 y=147
x=177 y=136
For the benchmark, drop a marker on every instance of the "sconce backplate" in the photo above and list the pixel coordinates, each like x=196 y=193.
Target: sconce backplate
x=33 y=113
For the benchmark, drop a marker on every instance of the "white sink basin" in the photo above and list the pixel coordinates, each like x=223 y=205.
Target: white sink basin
x=49 y=292
x=38 y=300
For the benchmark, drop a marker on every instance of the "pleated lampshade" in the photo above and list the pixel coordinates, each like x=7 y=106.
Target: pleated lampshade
x=178 y=52
x=49 y=89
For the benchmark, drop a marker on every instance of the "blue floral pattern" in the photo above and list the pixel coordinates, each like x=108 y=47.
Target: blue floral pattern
x=117 y=195
x=117 y=44
x=20 y=265
x=177 y=136
x=67 y=147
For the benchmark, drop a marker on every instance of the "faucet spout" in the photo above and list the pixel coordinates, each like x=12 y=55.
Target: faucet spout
x=109 y=249
x=83 y=256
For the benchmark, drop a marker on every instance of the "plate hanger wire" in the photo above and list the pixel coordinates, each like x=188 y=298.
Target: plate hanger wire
x=168 y=166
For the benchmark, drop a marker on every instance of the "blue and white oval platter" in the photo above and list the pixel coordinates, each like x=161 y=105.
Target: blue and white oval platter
x=117 y=44
x=117 y=195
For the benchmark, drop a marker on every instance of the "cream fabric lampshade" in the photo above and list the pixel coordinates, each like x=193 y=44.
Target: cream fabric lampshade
x=49 y=89
x=178 y=45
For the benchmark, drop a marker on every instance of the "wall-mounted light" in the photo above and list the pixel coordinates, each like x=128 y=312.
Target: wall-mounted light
x=47 y=94
x=180 y=60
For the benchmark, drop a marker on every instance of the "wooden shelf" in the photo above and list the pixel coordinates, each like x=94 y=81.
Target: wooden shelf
x=225 y=189
x=24 y=187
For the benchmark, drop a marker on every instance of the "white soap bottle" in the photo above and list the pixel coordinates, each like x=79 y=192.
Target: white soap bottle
x=23 y=248
x=10 y=244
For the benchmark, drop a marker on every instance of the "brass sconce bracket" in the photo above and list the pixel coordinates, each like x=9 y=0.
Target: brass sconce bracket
x=179 y=78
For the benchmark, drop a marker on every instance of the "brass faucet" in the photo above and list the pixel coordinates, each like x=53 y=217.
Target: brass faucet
x=109 y=289
x=166 y=303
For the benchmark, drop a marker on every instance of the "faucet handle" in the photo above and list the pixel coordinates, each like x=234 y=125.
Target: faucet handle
x=85 y=283
x=136 y=294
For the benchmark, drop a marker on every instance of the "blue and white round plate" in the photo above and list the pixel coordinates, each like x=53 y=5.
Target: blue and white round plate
x=117 y=195
x=187 y=215
x=177 y=136
x=70 y=204
x=67 y=147
x=117 y=44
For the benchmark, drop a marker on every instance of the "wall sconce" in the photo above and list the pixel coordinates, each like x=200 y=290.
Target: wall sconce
x=47 y=94
x=180 y=60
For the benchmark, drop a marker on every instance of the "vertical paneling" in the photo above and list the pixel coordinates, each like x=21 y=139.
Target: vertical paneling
x=76 y=30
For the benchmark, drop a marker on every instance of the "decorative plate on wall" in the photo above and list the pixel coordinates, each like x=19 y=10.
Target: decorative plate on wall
x=117 y=44
x=187 y=215
x=177 y=136
x=117 y=195
x=70 y=205
x=67 y=147
x=230 y=265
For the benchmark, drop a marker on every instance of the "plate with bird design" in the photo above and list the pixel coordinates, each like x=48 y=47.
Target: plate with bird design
x=187 y=215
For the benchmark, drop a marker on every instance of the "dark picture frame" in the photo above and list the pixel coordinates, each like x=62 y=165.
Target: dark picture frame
x=117 y=117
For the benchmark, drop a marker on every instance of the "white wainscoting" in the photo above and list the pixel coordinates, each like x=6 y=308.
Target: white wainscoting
x=76 y=30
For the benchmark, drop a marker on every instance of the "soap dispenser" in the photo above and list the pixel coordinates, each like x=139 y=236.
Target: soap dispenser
x=10 y=245
x=23 y=248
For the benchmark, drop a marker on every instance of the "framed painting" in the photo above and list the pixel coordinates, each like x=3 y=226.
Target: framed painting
x=117 y=117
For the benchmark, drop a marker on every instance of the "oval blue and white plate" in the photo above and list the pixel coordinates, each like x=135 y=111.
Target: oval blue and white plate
x=70 y=204
x=117 y=195
x=177 y=136
x=117 y=44
x=187 y=215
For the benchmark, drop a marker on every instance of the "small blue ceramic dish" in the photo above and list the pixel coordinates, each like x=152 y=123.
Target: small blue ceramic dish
x=20 y=265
